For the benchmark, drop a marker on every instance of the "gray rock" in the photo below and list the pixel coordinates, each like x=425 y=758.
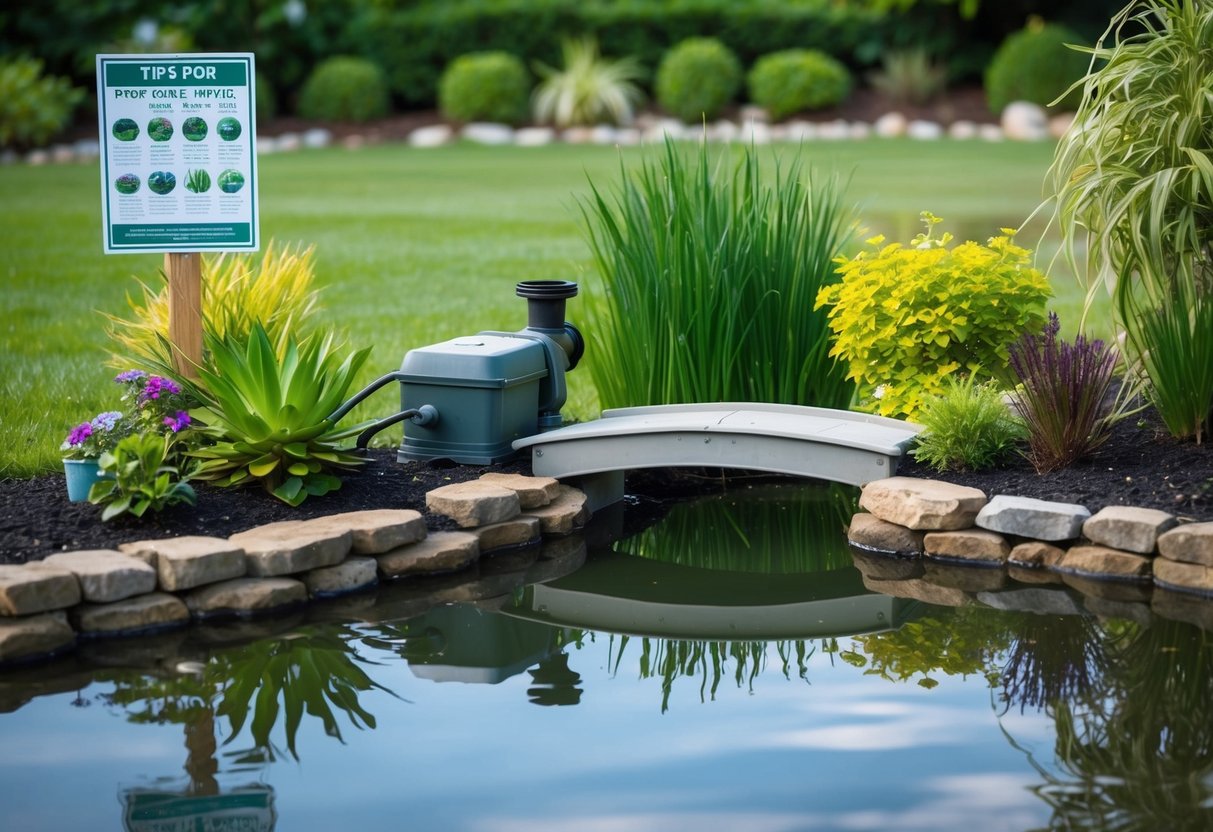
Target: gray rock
x=350 y=575
x=1102 y=563
x=890 y=125
x=474 y=503
x=1028 y=517
x=1128 y=528
x=244 y=596
x=105 y=574
x=434 y=135
x=34 y=636
x=1189 y=543
x=532 y=492
x=439 y=552
x=534 y=136
x=153 y=611
x=1037 y=600
x=870 y=532
x=488 y=133
x=292 y=546
x=1025 y=122
x=376 y=531
x=962 y=129
x=923 y=130
x=183 y=563
x=517 y=532
x=968 y=545
x=31 y=588
x=566 y=513
x=928 y=505
x=317 y=137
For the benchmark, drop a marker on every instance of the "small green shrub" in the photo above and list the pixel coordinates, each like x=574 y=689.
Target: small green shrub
x=485 y=86
x=589 y=90
x=797 y=79
x=697 y=78
x=909 y=76
x=1034 y=64
x=905 y=318
x=344 y=89
x=968 y=427
x=33 y=107
x=140 y=475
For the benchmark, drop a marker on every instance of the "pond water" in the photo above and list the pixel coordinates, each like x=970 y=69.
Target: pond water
x=725 y=668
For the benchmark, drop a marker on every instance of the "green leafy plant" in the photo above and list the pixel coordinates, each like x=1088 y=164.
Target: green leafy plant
x=1062 y=395
x=197 y=181
x=194 y=129
x=793 y=80
x=905 y=318
x=707 y=279
x=138 y=475
x=231 y=181
x=160 y=129
x=697 y=79
x=273 y=289
x=229 y=129
x=1133 y=188
x=589 y=89
x=1036 y=64
x=344 y=88
x=485 y=86
x=34 y=107
x=267 y=416
x=968 y=427
x=151 y=404
x=909 y=76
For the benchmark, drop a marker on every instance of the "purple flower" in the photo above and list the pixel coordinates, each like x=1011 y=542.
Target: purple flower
x=157 y=385
x=106 y=421
x=179 y=422
x=129 y=376
x=79 y=434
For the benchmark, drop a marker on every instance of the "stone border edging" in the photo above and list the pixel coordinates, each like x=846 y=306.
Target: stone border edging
x=151 y=585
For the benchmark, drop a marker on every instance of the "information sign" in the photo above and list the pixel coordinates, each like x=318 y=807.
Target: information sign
x=178 y=152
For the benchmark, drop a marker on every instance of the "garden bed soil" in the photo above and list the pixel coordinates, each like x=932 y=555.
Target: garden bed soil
x=1139 y=466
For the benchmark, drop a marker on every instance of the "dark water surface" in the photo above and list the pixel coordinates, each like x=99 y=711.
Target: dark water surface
x=724 y=669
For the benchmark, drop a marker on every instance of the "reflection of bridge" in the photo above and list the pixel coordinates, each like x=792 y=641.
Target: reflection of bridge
x=835 y=445
x=638 y=596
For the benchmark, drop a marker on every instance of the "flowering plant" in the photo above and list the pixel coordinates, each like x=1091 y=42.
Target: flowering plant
x=153 y=404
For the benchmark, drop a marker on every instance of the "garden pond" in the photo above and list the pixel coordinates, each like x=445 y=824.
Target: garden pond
x=724 y=668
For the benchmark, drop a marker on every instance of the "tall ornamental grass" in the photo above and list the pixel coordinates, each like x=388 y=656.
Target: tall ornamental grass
x=707 y=277
x=1134 y=187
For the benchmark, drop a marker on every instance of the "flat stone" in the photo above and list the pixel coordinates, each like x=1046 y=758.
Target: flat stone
x=183 y=563
x=106 y=574
x=568 y=511
x=350 y=575
x=1029 y=517
x=26 y=589
x=1183 y=577
x=376 y=531
x=34 y=636
x=870 y=532
x=474 y=503
x=1128 y=528
x=245 y=595
x=532 y=492
x=968 y=545
x=1037 y=599
x=517 y=532
x=883 y=566
x=439 y=552
x=1035 y=554
x=153 y=611
x=967 y=577
x=1189 y=543
x=292 y=546
x=1102 y=563
x=920 y=590
x=928 y=505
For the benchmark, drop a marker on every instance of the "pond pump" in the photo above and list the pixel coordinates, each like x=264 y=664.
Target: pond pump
x=469 y=398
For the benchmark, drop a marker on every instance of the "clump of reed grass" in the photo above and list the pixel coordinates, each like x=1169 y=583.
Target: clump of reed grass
x=968 y=427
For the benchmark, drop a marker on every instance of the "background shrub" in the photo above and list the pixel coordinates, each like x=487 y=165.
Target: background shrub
x=34 y=107
x=344 y=89
x=697 y=78
x=1035 y=65
x=797 y=79
x=589 y=89
x=267 y=99
x=485 y=86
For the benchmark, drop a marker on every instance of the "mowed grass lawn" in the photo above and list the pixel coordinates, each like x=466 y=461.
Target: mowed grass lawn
x=413 y=247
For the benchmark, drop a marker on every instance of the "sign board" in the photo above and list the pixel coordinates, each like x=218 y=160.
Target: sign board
x=178 y=152
x=248 y=809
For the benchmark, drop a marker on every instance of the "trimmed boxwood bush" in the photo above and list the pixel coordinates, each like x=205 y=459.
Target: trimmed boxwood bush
x=344 y=89
x=697 y=78
x=797 y=79
x=485 y=86
x=1035 y=65
x=33 y=107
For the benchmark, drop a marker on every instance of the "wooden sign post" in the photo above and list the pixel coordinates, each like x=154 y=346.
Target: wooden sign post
x=184 y=270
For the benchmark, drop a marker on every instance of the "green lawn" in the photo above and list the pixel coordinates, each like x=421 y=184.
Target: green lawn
x=413 y=247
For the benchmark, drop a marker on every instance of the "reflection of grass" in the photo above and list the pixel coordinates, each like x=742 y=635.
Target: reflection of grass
x=389 y=223
x=773 y=531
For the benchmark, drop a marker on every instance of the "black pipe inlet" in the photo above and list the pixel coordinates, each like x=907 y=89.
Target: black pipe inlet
x=545 y=302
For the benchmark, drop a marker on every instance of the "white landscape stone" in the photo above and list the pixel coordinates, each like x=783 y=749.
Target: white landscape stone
x=962 y=129
x=534 y=136
x=923 y=130
x=1130 y=528
x=434 y=135
x=292 y=546
x=186 y=562
x=375 y=531
x=474 y=503
x=106 y=574
x=890 y=125
x=532 y=492
x=482 y=132
x=35 y=587
x=1024 y=121
x=1029 y=517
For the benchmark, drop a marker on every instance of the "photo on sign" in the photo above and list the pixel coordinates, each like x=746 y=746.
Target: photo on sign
x=127 y=183
x=197 y=181
x=194 y=129
x=160 y=129
x=229 y=129
x=231 y=181
x=161 y=182
x=125 y=130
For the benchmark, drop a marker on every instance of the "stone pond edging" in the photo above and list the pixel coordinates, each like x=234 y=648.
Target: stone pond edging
x=948 y=544
x=151 y=585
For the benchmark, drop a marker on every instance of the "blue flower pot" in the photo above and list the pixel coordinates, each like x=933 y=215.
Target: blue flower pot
x=81 y=474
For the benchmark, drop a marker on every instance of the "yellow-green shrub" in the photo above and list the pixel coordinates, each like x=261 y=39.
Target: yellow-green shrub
x=905 y=318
